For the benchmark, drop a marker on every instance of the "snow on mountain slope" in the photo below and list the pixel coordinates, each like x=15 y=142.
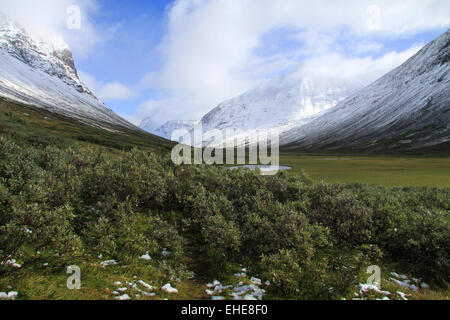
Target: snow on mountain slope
x=40 y=73
x=281 y=103
x=168 y=128
x=408 y=108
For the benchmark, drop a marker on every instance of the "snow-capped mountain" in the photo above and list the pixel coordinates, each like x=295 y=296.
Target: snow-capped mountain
x=167 y=128
x=280 y=103
x=407 y=109
x=42 y=73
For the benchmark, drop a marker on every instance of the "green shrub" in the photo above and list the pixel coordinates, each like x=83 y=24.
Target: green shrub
x=347 y=218
x=63 y=202
x=296 y=276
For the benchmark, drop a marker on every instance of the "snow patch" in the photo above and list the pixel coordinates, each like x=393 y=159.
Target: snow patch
x=169 y=289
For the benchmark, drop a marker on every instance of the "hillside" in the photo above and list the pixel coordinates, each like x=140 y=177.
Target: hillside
x=280 y=103
x=45 y=127
x=406 y=111
x=141 y=228
x=41 y=73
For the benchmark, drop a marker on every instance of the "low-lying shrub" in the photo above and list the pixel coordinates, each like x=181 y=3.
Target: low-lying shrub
x=304 y=237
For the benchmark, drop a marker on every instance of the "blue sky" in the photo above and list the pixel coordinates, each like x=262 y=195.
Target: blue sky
x=136 y=28
x=176 y=60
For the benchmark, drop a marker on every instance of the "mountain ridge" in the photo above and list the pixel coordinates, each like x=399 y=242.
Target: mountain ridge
x=40 y=73
x=279 y=103
x=167 y=128
x=406 y=109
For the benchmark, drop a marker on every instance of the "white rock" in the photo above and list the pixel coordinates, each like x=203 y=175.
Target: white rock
x=145 y=285
x=217 y=298
x=235 y=296
x=220 y=288
x=168 y=288
x=108 y=263
x=12 y=263
x=122 y=289
x=148 y=294
x=255 y=281
x=399 y=276
x=405 y=284
x=240 y=290
x=145 y=257
x=123 y=297
x=403 y=295
x=370 y=287
x=213 y=284
x=12 y=295
x=132 y=285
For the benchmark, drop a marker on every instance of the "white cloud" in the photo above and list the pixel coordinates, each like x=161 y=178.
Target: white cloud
x=107 y=91
x=209 y=48
x=368 y=47
x=115 y=91
x=158 y=110
x=48 y=18
x=359 y=70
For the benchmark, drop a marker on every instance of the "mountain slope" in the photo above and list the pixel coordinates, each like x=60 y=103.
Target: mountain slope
x=167 y=128
x=281 y=103
x=43 y=74
x=407 y=109
x=39 y=126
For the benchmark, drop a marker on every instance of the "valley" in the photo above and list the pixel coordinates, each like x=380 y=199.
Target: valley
x=182 y=244
x=93 y=207
x=388 y=171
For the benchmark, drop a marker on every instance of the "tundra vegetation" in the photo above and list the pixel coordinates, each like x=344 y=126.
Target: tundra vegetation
x=65 y=202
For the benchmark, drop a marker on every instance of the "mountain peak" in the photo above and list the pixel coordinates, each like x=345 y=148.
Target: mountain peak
x=279 y=103
x=53 y=57
x=40 y=72
x=168 y=127
x=407 y=109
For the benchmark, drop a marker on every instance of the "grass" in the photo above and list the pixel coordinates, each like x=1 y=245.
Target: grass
x=389 y=171
x=97 y=283
x=56 y=128
x=37 y=282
